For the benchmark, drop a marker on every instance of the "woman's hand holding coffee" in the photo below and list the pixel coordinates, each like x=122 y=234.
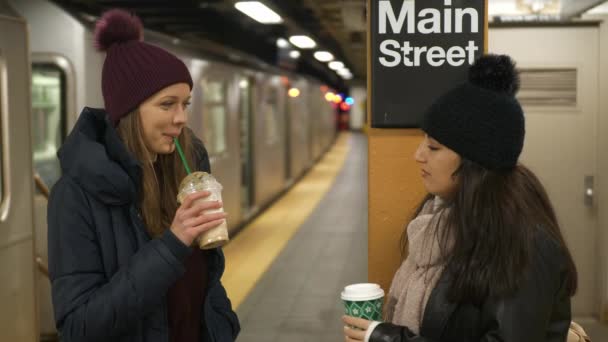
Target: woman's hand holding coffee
x=190 y=220
x=355 y=328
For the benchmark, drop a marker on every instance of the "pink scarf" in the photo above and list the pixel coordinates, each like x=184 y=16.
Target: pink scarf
x=419 y=272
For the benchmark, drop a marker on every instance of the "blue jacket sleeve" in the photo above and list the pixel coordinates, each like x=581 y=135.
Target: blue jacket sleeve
x=88 y=305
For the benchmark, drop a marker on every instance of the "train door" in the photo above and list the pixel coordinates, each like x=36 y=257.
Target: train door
x=293 y=133
x=287 y=139
x=17 y=267
x=298 y=124
x=52 y=98
x=559 y=93
x=311 y=136
x=246 y=143
x=219 y=89
x=268 y=145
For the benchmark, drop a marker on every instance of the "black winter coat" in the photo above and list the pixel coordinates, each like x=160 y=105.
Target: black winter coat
x=538 y=312
x=109 y=278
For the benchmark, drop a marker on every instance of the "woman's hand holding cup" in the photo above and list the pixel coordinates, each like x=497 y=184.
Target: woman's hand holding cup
x=355 y=328
x=190 y=220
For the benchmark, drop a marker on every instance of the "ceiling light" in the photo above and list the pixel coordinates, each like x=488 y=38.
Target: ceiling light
x=259 y=12
x=324 y=56
x=343 y=71
x=347 y=77
x=282 y=43
x=537 y=7
x=294 y=54
x=336 y=65
x=303 y=42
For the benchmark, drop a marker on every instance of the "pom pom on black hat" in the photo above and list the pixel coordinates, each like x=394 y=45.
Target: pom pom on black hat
x=117 y=26
x=496 y=73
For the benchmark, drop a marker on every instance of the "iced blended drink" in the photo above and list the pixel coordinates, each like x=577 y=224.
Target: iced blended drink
x=363 y=301
x=202 y=181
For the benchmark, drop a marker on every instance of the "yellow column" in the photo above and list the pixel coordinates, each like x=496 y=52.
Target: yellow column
x=394 y=191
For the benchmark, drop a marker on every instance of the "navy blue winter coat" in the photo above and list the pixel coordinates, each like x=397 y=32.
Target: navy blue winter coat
x=109 y=278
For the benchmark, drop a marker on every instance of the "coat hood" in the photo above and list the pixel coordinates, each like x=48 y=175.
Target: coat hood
x=95 y=157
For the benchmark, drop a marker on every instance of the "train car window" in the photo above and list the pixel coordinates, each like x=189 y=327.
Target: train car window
x=214 y=115
x=271 y=115
x=48 y=119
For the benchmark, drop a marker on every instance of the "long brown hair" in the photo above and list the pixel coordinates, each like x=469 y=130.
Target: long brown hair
x=160 y=180
x=493 y=219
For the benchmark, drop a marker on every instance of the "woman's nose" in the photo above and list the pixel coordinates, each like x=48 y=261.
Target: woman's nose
x=419 y=154
x=180 y=117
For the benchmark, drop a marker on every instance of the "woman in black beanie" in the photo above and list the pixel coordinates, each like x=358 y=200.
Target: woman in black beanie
x=486 y=257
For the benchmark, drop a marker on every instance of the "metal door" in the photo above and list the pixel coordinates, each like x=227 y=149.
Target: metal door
x=18 y=318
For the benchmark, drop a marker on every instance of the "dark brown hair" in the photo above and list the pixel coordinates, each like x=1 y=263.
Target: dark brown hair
x=493 y=219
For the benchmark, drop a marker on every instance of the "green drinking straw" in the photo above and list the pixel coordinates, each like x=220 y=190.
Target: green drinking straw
x=181 y=154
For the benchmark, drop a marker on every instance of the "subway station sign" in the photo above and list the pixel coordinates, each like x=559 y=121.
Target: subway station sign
x=420 y=49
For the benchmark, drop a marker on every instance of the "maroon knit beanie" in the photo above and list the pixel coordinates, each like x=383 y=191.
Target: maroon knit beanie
x=133 y=70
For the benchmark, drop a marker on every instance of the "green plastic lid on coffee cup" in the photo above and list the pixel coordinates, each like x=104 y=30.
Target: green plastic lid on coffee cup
x=363 y=291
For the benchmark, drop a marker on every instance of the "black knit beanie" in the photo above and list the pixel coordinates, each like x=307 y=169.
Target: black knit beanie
x=480 y=119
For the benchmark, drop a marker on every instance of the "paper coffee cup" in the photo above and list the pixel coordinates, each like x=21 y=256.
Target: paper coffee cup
x=363 y=300
x=202 y=181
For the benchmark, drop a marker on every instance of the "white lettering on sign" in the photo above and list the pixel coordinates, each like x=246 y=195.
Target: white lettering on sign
x=386 y=12
x=427 y=21
x=432 y=24
x=460 y=13
x=385 y=49
x=434 y=55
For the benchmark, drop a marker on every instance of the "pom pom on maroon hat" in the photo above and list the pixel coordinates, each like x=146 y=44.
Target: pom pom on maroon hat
x=117 y=26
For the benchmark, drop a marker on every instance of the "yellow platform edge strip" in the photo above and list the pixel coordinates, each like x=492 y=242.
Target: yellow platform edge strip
x=252 y=251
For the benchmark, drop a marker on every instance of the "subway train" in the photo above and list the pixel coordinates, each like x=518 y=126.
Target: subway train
x=260 y=139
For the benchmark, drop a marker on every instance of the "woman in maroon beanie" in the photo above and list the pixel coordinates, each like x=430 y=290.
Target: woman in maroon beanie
x=120 y=256
x=486 y=258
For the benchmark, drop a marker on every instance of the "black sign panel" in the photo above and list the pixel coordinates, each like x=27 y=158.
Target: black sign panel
x=420 y=49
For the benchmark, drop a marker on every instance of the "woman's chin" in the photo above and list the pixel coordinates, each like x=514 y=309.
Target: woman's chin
x=426 y=186
x=165 y=149
x=431 y=190
x=169 y=149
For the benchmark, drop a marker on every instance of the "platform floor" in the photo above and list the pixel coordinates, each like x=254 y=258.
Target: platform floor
x=298 y=297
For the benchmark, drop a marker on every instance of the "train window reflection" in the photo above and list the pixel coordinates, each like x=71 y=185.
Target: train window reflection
x=214 y=115
x=48 y=116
